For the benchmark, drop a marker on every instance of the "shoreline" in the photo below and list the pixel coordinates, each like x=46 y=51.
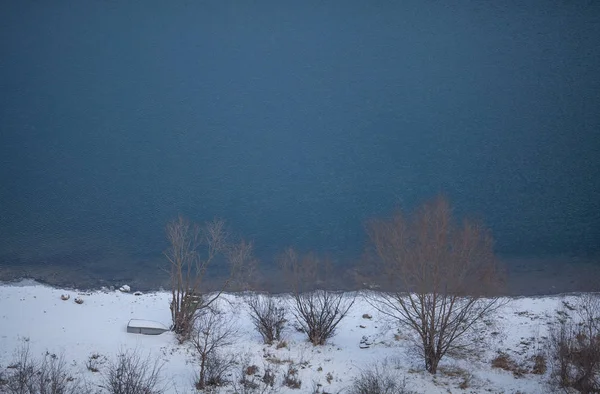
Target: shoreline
x=525 y=278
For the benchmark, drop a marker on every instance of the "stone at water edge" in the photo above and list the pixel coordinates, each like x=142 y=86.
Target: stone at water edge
x=125 y=289
x=138 y=293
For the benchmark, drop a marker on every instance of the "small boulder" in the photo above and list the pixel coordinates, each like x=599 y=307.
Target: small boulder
x=138 y=293
x=79 y=300
x=125 y=289
x=65 y=297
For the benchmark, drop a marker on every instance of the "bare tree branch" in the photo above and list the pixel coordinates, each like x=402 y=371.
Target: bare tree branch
x=131 y=373
x=268 y=316
x=317 y=309
x=192 y=250
x=212 y=332
x=443 y=277
x=574 y=347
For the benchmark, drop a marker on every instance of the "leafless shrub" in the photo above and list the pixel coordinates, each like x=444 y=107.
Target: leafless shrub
x=54 y=377
x=30 y=376
x=540 y=365
x=267 y=316
x=94 y=362
x=574 y=348
x=22 y=377
x=251 y=381
x=443 y=277
x=192 y=250
x=212 y=332
x=269 y=377
x=318 y=311
x=246 y=384
x=380 y=379
x=290 y=378
x=218 y=368
x=131 y=373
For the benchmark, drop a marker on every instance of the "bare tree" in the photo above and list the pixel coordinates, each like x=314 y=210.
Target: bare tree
x=212 y=332
x=267 y=316
x=192 y=250
x=317 y=309
x=443 y=277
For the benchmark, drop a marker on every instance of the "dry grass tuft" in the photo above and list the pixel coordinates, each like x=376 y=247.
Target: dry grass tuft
x=505 y=362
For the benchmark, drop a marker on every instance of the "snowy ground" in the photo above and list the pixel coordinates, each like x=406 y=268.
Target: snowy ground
x=98 y=326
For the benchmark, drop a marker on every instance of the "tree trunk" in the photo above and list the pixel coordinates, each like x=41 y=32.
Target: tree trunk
x=202 y=377
x=431 y=359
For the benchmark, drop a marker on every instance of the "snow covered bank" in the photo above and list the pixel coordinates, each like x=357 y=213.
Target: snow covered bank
x=98 y=326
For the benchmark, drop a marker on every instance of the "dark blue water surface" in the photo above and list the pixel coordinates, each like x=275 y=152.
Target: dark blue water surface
x=294 y=121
